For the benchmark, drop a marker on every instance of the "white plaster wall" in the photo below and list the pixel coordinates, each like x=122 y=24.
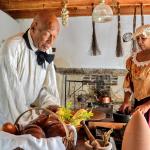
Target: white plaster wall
x=8 y=26
x=73 y=43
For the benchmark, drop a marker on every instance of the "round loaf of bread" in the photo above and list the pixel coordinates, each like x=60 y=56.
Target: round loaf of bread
x=54 y=129
x=40 y=120
x=34 y=130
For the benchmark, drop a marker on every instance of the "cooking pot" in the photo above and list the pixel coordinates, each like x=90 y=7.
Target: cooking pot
x=121 y=117
x=104 y=100
x=82 y=96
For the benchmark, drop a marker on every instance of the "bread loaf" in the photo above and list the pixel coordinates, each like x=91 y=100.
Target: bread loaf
x=55 y=129
x=9 y=127
x=40 y=121
x=34 y=130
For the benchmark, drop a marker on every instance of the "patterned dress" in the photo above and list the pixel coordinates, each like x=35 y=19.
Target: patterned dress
x=137 y=81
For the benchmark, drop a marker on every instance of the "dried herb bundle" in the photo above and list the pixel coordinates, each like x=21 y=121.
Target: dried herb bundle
x=119 y=50
x=134 y=27
x=94 y=46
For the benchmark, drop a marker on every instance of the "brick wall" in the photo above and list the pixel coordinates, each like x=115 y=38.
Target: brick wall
x=108 y=81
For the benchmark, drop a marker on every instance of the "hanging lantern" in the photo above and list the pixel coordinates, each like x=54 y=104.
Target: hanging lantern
x=102 y=13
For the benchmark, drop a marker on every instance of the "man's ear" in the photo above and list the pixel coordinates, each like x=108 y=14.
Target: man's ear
x=33 y=26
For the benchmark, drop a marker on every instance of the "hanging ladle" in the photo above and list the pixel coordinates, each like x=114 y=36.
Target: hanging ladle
x=129 y=36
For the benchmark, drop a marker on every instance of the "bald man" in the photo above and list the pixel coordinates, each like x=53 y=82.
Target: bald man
x=27 y=73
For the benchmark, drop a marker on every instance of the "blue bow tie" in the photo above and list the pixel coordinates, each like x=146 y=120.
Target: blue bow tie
x=43 y=56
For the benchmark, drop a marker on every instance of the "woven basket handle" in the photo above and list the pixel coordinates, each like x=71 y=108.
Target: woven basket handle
x=47 y=111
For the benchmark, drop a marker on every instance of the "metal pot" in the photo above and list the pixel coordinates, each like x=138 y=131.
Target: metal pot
x=81 y=98
x=105 y=99
x=120 y=117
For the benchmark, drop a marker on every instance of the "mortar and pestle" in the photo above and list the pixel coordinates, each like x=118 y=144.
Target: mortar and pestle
x=93 y=143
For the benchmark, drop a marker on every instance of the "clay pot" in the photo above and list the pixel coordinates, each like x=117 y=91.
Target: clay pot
x=34 y=130
x=90 y=147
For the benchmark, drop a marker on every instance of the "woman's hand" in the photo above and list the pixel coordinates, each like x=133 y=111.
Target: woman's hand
x=124 y=106
x=143 y=108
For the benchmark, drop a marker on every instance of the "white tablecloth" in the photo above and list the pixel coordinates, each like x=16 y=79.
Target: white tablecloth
x=28 y=142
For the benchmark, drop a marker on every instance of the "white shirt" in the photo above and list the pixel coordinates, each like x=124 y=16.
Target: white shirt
x=23 y=81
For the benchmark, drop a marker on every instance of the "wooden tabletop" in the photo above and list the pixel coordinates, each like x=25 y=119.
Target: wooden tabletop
x=113 y=125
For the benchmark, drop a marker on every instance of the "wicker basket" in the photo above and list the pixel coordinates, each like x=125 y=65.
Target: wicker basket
x=68 y=140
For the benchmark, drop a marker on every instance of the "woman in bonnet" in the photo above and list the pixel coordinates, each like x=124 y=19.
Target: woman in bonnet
x=137 y=80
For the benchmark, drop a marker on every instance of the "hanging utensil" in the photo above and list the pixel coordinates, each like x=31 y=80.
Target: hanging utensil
x=128 y=36
x=94 y=46
x=119 y=51
x=134 y=27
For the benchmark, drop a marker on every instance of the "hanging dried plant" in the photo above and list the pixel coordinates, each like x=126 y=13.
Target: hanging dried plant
x=65 y=13
x=119 y=51
x=94 y=49
x=94 y=45
x=134 y=27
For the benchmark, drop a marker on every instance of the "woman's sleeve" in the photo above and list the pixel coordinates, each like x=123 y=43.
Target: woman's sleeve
x=128 y=85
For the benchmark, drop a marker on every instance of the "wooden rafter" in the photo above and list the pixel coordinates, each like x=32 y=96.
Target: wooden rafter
x=28 y=8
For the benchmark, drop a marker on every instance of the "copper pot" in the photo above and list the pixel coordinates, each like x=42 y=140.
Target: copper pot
x=105 y=99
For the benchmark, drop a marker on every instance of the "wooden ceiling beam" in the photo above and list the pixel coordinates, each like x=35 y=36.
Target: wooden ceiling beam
x=73 y=11
x=28 y=8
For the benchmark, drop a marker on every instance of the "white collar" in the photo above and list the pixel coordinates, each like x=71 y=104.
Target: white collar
x=31 y=42
x=49 y=51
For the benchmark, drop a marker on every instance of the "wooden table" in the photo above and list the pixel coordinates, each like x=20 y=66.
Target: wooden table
x=113 y=125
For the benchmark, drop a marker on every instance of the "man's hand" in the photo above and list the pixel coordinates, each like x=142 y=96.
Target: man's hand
x=124 y=106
